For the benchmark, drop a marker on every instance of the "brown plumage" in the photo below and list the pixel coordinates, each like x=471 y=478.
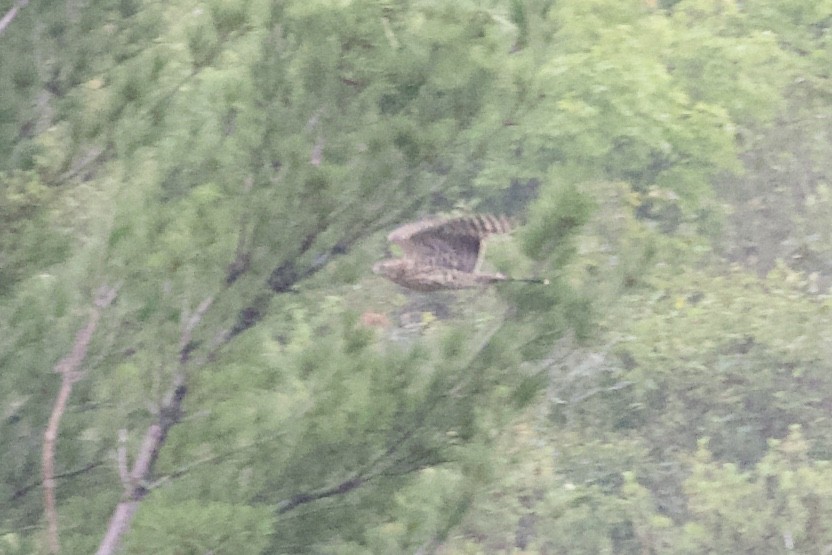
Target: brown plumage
x=444 y=253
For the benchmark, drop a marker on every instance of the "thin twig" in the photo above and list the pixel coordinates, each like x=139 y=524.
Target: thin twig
x=69 y=474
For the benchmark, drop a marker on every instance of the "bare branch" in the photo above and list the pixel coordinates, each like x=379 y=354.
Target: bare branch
x=148 y=453
x=119 y=522
x=67 y=367
x=189 y=324
x=79 y=166
x=50 y=509
x=11 y=14
x=316 y=157
x=169 y=414
x=193 y=320
x=121 y=456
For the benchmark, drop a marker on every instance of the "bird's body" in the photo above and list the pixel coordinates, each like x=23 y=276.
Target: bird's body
x=419 y=277
x=444 y=253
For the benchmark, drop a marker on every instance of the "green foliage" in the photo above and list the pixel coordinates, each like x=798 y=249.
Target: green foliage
x=722 y=60
x=725 y=358
x=28 y=242
x=737 y=510
x=23 y=195
x=779 y=506
x=192 y=527
x=254 y=153
x=647 y=482
x=561 y=211
x=609 y=108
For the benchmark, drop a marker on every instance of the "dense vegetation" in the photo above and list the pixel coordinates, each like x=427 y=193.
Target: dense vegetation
x=196 y=358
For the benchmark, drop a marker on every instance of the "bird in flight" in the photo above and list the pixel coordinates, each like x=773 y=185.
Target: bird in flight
x=445 y=253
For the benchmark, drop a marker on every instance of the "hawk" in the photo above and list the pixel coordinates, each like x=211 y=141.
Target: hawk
x=444 y=253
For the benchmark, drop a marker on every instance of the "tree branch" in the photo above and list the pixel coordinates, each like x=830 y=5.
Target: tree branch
x=302 y=498
x=121 y=458
x=67 y=367
x=27 y=488
x=11 y=14
x=170 y=412
x=282 y=279
x=391 y=462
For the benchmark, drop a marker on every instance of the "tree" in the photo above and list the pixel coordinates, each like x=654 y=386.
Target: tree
x=249 y=397
x=232 y=169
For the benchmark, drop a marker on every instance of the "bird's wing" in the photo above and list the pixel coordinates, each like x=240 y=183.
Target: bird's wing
x=453 y=243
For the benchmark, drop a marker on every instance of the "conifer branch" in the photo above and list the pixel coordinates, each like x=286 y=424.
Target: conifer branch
x=288 y=274
x=228 y=453
x=69 y=474
x=396 y=460
x=302 y=498
x=382 y=465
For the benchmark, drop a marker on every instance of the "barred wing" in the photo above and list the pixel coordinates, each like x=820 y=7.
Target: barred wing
x=453 y=243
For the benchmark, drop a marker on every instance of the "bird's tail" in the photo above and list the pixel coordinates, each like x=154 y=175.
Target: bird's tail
x=539 y=281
